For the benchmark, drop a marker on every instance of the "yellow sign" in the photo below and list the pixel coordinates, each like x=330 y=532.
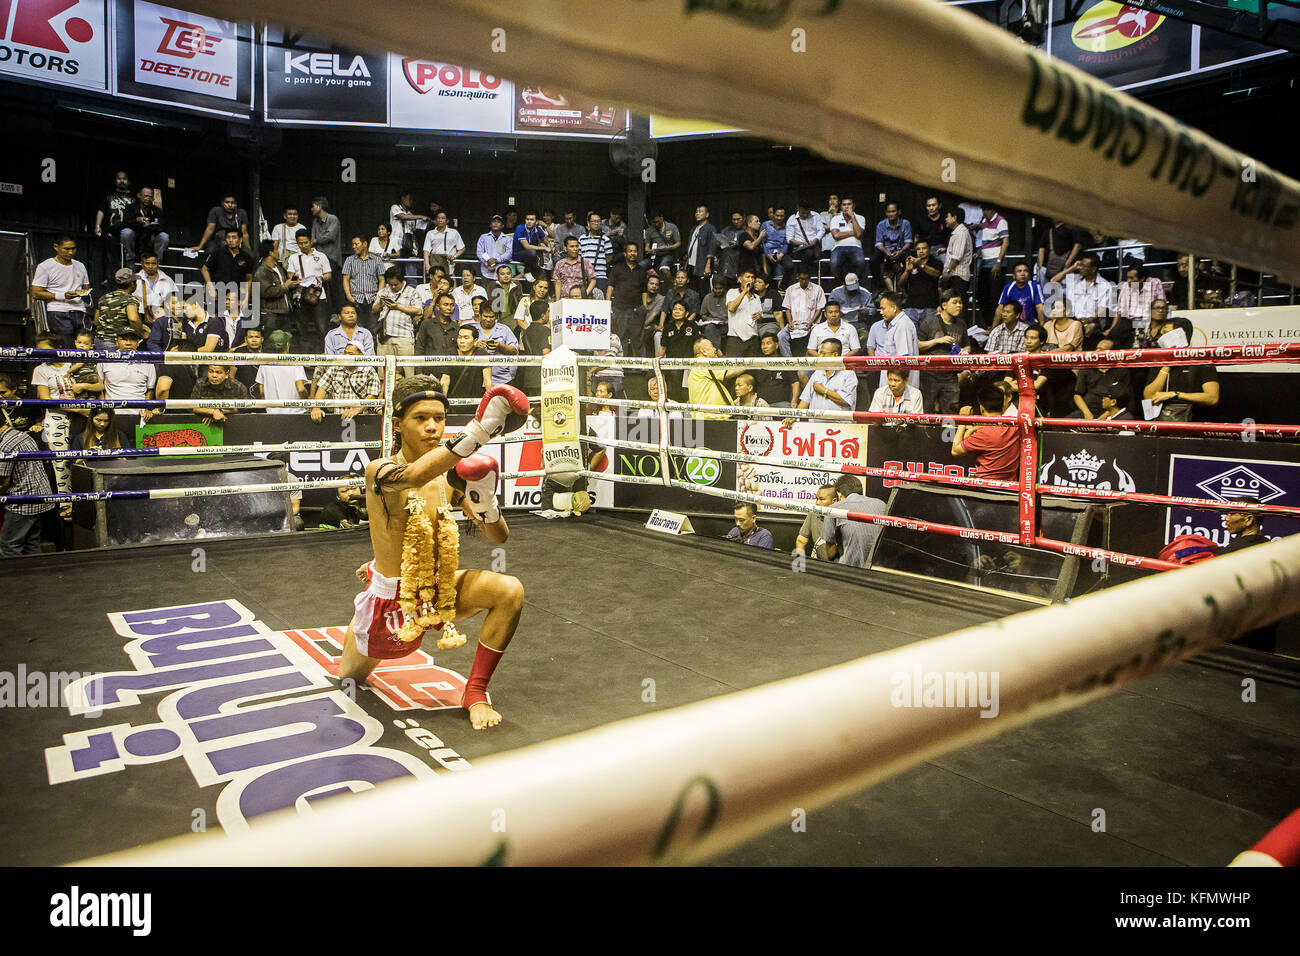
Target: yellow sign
x=662 y=127
x=1109 y=26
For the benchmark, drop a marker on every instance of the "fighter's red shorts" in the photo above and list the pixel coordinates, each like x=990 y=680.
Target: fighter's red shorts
x=379 y=617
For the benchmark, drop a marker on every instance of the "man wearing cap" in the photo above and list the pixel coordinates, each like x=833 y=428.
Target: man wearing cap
x=128 y=380
x=854 y=302
x=494 y=248
x=803 y=236
x=118 y=310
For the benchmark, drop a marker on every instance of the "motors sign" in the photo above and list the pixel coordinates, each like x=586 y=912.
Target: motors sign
x=55 y=41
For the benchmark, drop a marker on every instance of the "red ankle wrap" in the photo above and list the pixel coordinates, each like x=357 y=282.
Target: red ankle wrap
x=485 y=662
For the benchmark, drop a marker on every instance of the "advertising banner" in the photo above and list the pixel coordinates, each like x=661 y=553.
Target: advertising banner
x=428 y=95
x=832 y=444
x=698 y=470
x=1273 y=324
x=310 y=80
x=546 y=110
x=581 y=323
x=169 y=56
x=1226 y=479
x=1120 y=44
x=55 y=41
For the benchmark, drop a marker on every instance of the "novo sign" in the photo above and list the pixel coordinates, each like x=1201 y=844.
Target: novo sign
x=58 y=41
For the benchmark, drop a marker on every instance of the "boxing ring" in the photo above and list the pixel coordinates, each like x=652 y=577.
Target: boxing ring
x=774 y=714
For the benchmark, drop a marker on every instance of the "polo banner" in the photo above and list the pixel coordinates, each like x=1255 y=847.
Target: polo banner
x=55 y=41
x=428 y=95
x=310 y=80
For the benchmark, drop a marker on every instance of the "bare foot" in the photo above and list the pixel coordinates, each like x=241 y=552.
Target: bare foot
x=482 y=716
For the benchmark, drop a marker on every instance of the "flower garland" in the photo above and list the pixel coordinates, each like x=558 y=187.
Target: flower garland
x=430 y=557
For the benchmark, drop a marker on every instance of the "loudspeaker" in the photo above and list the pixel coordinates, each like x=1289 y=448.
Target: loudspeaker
x=126 y=521
x=13 y=275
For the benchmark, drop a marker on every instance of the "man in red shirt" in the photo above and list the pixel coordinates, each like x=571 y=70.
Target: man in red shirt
x=997 y=446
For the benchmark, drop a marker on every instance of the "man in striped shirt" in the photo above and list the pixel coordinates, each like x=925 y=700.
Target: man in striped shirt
x=22 y=528
x=596 y=248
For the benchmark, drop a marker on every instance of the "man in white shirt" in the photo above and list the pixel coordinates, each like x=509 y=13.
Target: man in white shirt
x=494 y=249
x=743 y=310
x=1087 y=295
x=282 y=383
x=803 y=305
x=466 y=293
x=897 y=396
x=442 y=245
x=285 y=234
x=62 y=283
x=832 y=210
x=846 y=230
x=830 y=389
x=154 y=289
x=803 y=236
x=402 y=222
x=128 y=380
x=834 y=329
x=961 y=252
x=313 y=270
x=398 y=308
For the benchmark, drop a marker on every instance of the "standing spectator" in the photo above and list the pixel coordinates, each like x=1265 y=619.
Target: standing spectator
x=655 y=314
x=437 y=335
x=142 y=222
x=826 y=218
x=180 y=328
x=464 y=380
x=943 y=333
x=219 y=383
x=1008 y=335
x=810 y=532
x=153 y=289
x=961 y=253
x=546 y=259
x=398 y=308
x=803 y=240
x=348 y=383
x=221 y=218
x=893 y=243
x=1058 y=246
x=228 y=269
x=626 y=294
x=919 y=281
x=897 y=396
x=770 y=318
x=118 y=310
x=933 y=229
x=498 y=340
x=996 y=446
x=53 y=380
x=830 y=390
x=275 y=286
x=327 y=237
x=1028 y=293
x=253 y=344
x=466 y=293
x=994 y=238
x=702 y=250
x=21 y=534
x=362 y=275
x=803 y=304
x=442 y=245
x=894 y=334
x=404 y=224
x=1136 y=296
x=111 y=216
x=384 y=246
x=847 y=541
x=128 y=380
x=1087 y=296
x=574 y=270
x=751 y=247
x=729 y=248
x=854 y=302
x=775 y=246
x=846 y=229
x=313 y=271
x=493 y=248
x=747 y=530
x=596 y=248
x=535 y=339
x=570 y=227
x=743 y=309
x=349 y=332
x=530 y=242
x=285 y=235
x=663 y=242
x=836 y=329
x=777 y=387
x=281 y=383
x=62 y=283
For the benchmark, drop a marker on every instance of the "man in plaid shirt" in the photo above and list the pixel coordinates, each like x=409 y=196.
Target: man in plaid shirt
x=1009 y=334
x=346 y=383
x=22 y=528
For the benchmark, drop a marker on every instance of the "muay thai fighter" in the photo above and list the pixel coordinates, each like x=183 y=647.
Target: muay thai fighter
x=413 y=584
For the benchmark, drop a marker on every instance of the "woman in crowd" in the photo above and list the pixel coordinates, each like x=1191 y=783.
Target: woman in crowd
x=101 y=432
x=382 y=244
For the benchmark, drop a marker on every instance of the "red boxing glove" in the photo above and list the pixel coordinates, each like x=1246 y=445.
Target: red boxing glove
x=503 y=409
x=476 y=478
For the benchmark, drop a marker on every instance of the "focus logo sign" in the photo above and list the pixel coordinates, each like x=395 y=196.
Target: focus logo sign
x=757 y=438
x=1084 y=470
x=247 y=709
x=1110 y=26
x=58 y=41
x=1225 y=479
x=185 y=51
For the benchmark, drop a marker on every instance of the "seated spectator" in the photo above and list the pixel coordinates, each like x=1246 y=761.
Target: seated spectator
x=769 y=317
x=996 y=446
x=154 y=288
x=1137 y=294
x=713 y=312
x=943 y=333
x=1026 y=293
x=1245 y=527
x=346 y=383
x=834 y=328
x=349 y=330
x=347 y=510
x=21 y=533
x=747 y=530
x=572 y=269
x=810 y=532
x=802 y=305
x=281 y=383
x=1114 y=404
x=682 y=292
x=1064 y=332
x=464 y=380
x=854 y=302
x=1180 y=391
x=220 y=383
x=897 y=396
x=1093 y=383
x=506 y=296
x=849 y=541
x=777 y=387
x=1008 y=336
x=118 y=310
x=101 y=432
x=830 y=389
x=705 y=386
x=466 y=292
x=438 y=332
x=746 y=394
x=602 y=390
x=498 y=340
x=252 y=345
x=893 y=241
x=612 y=375
x=129 y=380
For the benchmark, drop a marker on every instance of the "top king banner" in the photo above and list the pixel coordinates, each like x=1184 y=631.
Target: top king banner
x=310 y=80
x=170 y=56
x=55 y=41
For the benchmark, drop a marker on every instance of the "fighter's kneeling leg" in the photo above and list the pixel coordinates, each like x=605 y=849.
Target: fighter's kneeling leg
x=354 y=665
x=502 y=596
